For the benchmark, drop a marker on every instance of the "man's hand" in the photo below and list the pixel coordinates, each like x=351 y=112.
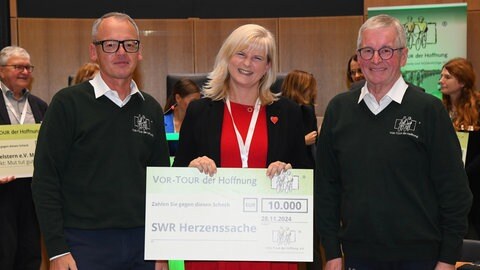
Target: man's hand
x=444 y=266
x=65 y=262
x=161 y=265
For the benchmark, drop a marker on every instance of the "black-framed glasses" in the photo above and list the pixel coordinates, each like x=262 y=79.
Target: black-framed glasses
x=20 y=68
x=112 y=46
x=367 y=53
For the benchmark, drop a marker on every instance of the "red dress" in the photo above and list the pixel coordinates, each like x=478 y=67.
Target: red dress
x=230 y=158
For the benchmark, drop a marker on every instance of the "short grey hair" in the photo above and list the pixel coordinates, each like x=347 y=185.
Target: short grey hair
x=383 y=21
x=7 y=52
x=116 y=15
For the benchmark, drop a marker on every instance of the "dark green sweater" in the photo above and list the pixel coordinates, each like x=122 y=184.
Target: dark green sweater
x=90 y=162
x=391 y=186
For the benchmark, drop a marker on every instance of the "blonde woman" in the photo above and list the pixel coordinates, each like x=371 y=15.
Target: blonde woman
x=238 y=99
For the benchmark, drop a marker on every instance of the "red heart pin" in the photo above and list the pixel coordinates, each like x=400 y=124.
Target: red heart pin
x=274 y=119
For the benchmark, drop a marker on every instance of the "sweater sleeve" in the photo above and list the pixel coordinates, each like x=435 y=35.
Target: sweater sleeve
x=450 y=182
x=50 y=156
x=327 y=189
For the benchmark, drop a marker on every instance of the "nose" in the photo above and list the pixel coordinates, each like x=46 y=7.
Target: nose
x=376 y=57
x=121 y=49
x=440 y=81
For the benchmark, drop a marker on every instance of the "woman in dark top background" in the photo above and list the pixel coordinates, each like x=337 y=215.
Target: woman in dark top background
x=301 y=87
x=462 y=100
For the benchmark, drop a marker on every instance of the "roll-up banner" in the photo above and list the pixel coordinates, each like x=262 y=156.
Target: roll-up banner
x=435 y=34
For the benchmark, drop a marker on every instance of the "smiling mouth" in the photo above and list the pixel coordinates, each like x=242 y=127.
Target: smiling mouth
x=377 y=69
x=244 y=72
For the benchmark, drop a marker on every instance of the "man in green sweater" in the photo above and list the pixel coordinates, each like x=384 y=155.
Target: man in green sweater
x=90 y=163
x=391 y=187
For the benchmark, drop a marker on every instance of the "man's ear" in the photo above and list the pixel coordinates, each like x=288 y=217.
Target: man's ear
x=404 y=58
x=93 y=52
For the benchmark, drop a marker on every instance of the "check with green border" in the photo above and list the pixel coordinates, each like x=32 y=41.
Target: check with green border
x=17 y=149
x=236 y=215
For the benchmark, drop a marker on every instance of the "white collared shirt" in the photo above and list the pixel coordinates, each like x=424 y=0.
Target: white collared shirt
x=19 y=111
x=101 y=88
x=396 y=94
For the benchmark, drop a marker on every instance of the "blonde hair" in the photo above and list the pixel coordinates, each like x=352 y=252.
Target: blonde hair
x=248 y=36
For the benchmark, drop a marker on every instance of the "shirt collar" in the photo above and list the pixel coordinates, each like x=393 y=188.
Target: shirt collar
x=100 y=87
x=396 y=93
x=9 y=93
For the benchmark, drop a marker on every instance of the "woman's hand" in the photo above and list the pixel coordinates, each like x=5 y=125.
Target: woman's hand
x=334 y=264
x=6 y=179
x=204 y=165
x=277 y=167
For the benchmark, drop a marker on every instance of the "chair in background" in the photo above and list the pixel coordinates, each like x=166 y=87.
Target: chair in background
x=201 y=78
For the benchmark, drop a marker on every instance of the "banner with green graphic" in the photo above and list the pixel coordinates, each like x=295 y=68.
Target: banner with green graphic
x=435 y=34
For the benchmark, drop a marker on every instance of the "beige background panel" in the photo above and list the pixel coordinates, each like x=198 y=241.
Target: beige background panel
x=58 y=47
x=473 y=42
x=167 y=47
x=13 y=31
x=473 y=5
x=321 y=46
x=210 y=34
x=13 y=8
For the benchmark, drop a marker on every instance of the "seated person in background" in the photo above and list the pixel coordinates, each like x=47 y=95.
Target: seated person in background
x=184 y=91
x=354 y=72
x=462 y=101
x=301 y=87
x=85 y=73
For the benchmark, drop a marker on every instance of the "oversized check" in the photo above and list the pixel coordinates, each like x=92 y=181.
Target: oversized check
x=17 y=149
x=238 y=214
x=463 y=139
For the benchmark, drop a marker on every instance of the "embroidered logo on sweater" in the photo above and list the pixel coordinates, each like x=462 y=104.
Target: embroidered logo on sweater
x=405 y=126
x=142 y=125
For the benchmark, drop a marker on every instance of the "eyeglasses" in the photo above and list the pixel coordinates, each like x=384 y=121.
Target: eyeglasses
x=112 y=46
x=20 y=68
x=385 y=53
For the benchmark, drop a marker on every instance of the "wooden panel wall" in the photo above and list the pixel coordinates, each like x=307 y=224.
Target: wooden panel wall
x=167 y=46
x=320 y=45
x=210 y=34
x=59 y=46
